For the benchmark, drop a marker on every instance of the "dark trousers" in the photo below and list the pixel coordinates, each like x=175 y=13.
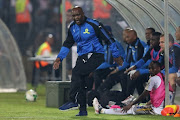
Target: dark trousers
x=99 y=75
x=138 y=84
x=112 y=80
x=80 y=72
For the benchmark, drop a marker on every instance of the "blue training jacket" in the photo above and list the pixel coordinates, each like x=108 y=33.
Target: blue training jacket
x=151 y=55
x=88 y=37
x=108 y=56
x=172 y=62
x=134 y=52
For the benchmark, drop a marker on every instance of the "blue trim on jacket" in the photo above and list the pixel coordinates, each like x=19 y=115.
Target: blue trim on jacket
x=136 y=55
x=143 y=71
x=141 y=62
x=88 y=37
x=63 y=53
x=107 y=58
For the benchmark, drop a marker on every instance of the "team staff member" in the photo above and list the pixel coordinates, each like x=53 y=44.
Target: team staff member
x=153 y=54
x=172 y=65
x=134 y=52
x=88 y=34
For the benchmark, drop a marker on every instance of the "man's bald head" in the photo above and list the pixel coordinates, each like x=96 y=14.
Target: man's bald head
x=78 y=8
x=131 y=36
x=126 y=29
x=78 y=15
x=124 y=35
x=133 y=32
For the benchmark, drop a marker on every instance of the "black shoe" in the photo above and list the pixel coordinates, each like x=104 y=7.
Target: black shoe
x=82 y=113
x=69 y=106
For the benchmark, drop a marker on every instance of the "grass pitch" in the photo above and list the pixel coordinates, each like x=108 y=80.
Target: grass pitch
x=13 y=106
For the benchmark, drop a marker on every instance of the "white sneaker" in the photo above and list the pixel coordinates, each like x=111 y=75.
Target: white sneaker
x=128 y=100
x=96 y=106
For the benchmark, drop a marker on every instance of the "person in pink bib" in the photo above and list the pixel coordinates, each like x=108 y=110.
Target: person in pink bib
x=156 y=89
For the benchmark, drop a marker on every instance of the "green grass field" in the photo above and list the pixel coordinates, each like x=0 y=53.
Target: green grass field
x=13 y=106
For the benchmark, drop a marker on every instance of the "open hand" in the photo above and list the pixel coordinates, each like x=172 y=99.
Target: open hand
x=130 y=73
x=113 y=72
x=129 y=69
x=135 y=75
x=126 y=108
x=119 y=61
x=56 y=63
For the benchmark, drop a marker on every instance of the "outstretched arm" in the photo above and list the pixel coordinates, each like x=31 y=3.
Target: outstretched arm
x=141 y=62
x=56 y=63
x=141 y=97
x=129 y=69
x=68 y=43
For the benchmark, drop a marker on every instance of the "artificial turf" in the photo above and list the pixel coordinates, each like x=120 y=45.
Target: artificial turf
x=13 y=106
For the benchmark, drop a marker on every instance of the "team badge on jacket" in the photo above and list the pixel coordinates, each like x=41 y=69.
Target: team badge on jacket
x=86 y=31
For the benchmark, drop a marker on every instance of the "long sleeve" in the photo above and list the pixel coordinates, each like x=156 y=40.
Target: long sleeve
x=63 y=53
x=143 y=71
x=143 y=60
x=124 y=66
x=68 y=43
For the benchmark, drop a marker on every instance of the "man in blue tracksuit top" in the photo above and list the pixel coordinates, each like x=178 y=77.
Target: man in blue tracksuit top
x=134 y=52
x=140 y=75
x=88 y=34
x=153 y=54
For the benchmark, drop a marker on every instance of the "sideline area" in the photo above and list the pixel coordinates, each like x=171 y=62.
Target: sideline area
x=14 y=106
